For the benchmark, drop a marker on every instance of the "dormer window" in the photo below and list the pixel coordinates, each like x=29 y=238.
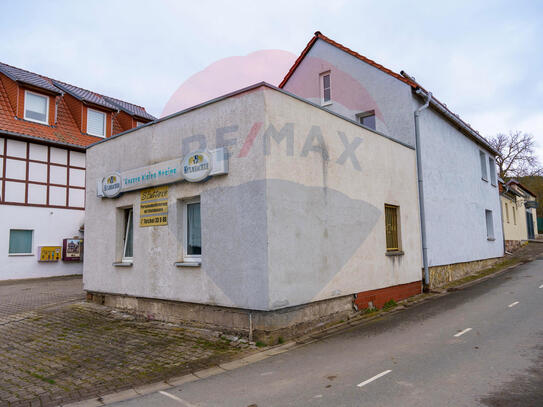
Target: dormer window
x=36 y=107
x=96 y=123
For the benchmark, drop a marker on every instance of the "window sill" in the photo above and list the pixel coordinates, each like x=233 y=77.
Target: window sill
x=491 y=239
x=325 y=104
x=485 y=180
x=122 y=264
x=21 y=254
x=187 y=264
x=395 y=253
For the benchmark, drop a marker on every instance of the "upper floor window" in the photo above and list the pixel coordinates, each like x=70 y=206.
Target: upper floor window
x=326 y=95
x=367 y=119
x=36 y=107
x=482 y=157
x=138 y=124
x=96 y=123
x=492 y=168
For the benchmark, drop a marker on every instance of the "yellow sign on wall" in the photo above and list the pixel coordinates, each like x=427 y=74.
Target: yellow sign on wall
x=50 y=253
x=154 y=206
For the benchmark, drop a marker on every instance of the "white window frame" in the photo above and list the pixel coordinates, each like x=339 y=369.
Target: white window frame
x=321 y=87
x=189 y=258
x=362 y=115
x=125 y=235
x=489 y=225
x=492 y=170
x=27 y=92
x=105 y=120
x=483 y=160
x=31 y=243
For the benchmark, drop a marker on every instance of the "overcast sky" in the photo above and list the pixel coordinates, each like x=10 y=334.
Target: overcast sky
x=484 y=59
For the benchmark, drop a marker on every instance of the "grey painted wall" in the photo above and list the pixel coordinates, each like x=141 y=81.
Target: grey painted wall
x=299 y=217
x=455 y=195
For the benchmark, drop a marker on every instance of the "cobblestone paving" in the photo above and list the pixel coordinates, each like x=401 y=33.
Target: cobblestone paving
x=79 y=350
x=21 y=296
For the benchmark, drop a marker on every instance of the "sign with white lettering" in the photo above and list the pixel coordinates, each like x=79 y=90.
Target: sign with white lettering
x=195 y=167
x=154 y=206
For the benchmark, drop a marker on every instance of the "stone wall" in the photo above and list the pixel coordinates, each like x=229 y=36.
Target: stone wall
x=442 y=275
x=512 y=245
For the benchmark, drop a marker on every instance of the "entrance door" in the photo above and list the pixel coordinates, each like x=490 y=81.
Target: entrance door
x=530 y=220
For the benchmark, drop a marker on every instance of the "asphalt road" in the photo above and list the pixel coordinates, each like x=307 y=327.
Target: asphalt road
x=480 y=346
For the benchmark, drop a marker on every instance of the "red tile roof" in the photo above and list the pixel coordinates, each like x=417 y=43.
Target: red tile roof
x=66 y=130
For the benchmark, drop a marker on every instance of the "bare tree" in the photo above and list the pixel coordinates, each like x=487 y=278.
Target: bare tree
x=516 y=155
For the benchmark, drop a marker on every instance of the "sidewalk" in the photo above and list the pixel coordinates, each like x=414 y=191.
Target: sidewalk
x=55 y=348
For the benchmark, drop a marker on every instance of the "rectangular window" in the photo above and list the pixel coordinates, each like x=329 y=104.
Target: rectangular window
x=96 y=123
x=507 y=212
x=36 y=107
x=482 y=157
x=489 y=225
x=138 y=124
x=128 y=237
x=514 y=215
x=20 y=241
x=326 y=96
x=193 y=230
x=492 y=168
x=367 y=119
x=391 y=228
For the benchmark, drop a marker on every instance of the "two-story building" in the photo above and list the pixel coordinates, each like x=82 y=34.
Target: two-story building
x=45 y=126
x=459 y=198
x=518 y=213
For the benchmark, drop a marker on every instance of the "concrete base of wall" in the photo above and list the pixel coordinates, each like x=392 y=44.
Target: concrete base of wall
x=265 y=326
x=442 y=275
x=378 y=298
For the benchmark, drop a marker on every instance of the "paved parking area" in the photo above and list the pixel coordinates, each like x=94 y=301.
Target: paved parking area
x=56 y=348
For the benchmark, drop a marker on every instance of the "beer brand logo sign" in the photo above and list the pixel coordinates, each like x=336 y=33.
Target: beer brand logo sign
x=111 y=185
x=196 y=166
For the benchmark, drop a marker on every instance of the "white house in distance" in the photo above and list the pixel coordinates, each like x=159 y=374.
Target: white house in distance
x=460 y=204
x=45 y=126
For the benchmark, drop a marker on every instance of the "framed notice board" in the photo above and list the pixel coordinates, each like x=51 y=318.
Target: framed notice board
x=72 y=249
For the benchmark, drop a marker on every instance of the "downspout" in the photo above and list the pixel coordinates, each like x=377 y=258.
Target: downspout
x=428 y=98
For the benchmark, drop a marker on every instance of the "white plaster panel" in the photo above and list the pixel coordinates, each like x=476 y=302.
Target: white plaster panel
x=16 y=148
x=38 y=152
x=50 y=226
x=15 y=169
x=58 y=175
x=15 y=192
x=59 y=155
x=37 y=172
x=1 y=167
x=77 y=198
x=1 y=145
x=77 y=159
x=77 y=177
x=57 y=196
x=37 y=194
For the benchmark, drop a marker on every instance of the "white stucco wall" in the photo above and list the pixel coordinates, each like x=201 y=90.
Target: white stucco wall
x=50 y=226
x=258 y=221
x=456 y=196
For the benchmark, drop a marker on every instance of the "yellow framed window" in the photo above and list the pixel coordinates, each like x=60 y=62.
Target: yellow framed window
x=391 y=228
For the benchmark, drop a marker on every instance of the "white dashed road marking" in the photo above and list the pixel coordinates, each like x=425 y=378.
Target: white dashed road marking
x=374 y=378
x=513 y=304
x=181 y=401
x=462 y=332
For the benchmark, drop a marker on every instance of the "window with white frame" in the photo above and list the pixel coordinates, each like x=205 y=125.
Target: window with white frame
x=36 y=107
x=326 y=89
x=492 y=168
x=20 y=241
x=138 y=124
x=367 y=119
x=489 y=225
x=96 y=123
x=128 y=236
x=484 y=174
x=193 y=231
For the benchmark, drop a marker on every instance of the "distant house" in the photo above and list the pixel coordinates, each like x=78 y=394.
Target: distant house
x=45 y=126
x=519 y=213
x=460 y=204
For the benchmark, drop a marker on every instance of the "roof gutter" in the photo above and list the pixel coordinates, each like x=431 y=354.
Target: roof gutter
x=428 y=99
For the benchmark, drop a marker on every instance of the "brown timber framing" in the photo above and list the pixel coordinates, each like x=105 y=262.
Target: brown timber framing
x=5 y=157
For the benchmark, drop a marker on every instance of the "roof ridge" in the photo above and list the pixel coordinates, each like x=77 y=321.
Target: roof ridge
x=51 y=80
